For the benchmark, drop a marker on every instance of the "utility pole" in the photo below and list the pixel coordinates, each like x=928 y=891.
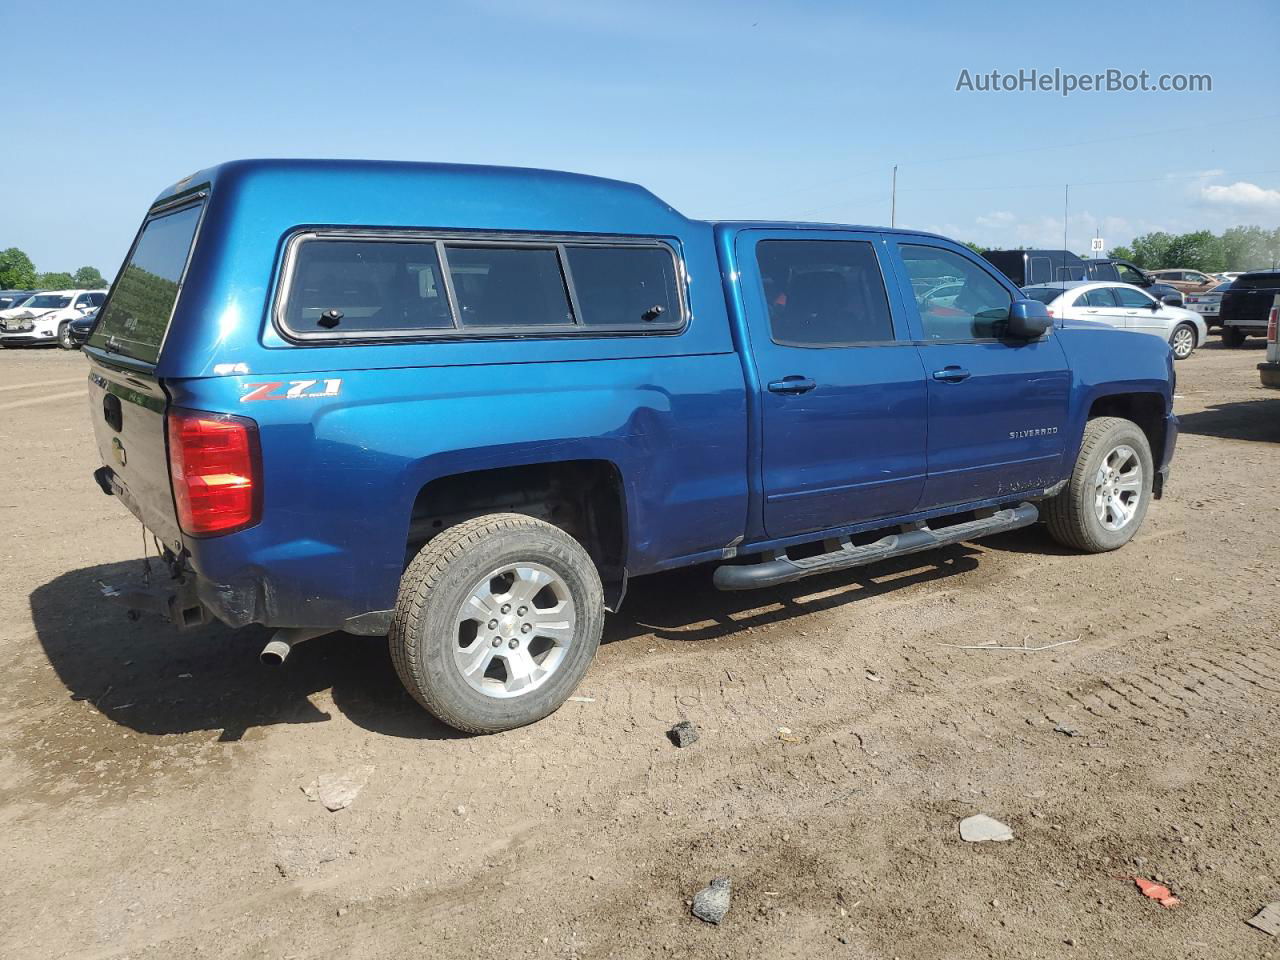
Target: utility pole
x=893 y=199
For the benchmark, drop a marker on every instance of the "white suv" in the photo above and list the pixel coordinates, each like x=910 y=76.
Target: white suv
x=43 y=318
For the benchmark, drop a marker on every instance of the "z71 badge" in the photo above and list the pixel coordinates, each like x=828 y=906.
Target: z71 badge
x=291 y=390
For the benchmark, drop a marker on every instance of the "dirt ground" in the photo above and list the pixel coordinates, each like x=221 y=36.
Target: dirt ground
x=152 y=797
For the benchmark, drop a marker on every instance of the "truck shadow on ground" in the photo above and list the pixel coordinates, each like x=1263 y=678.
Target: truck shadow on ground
x=1255 y=420
x=146 y=676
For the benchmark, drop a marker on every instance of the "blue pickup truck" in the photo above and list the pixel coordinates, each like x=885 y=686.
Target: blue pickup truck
x=461 y=406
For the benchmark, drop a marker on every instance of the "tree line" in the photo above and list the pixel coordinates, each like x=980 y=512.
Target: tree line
x=17 y=272
x=1237 y=248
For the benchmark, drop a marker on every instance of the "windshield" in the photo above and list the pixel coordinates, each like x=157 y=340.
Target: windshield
x=136 y=317
x=49 y=301
x=1043 y=294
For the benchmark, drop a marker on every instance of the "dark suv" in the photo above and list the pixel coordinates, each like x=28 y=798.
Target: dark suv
x=1246 y=304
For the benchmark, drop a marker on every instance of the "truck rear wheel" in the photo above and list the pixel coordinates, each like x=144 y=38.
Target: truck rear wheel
x=1233 y=337
x=497 y=620
x=1106 y=499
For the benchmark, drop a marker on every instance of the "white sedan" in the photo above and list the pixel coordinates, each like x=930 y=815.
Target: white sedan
x=1126 y=306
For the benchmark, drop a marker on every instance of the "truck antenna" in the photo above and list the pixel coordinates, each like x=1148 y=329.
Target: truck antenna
x=893 y=199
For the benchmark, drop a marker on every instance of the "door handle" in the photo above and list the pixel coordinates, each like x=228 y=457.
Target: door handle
x=792 y=384
x=951 y=374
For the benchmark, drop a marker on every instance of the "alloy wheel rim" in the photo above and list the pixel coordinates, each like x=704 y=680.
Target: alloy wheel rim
x=1183 y=343
x=1117 y=488
x=514 y=630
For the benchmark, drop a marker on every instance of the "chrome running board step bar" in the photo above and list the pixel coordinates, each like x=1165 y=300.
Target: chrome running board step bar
x=911 y=539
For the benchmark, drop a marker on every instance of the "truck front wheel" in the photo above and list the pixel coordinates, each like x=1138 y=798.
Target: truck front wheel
x=1106 y=499
x=497 y=620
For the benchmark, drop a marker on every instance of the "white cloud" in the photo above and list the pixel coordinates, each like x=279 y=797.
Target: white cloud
x=998 y=219
x=1241 y=194
x=1005 y=230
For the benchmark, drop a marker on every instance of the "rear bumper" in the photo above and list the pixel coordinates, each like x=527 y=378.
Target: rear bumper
x=1269 y=373
x=240 y=581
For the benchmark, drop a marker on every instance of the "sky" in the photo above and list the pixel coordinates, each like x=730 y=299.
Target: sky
x=741 y=109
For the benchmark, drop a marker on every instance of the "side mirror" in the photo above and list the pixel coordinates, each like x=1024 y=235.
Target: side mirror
x=1171 y=299
x=1028 y=319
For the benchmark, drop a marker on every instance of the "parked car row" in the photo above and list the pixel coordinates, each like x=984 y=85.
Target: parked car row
x=45 y=318
x=1028 y=268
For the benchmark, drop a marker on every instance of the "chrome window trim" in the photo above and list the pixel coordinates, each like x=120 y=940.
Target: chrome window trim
x=440 y=238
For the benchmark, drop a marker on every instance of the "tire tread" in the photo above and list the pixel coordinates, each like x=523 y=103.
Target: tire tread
x=417 y=584
x=1064 y=514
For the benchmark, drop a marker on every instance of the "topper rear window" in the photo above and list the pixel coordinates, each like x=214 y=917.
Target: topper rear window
x=394 y=286
x=134 y=320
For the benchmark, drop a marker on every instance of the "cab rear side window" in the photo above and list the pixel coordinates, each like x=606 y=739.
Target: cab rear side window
x=370 y=287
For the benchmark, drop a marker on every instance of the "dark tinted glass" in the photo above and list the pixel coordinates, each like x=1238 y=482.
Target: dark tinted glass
x=824 y=292
x=136 y=317
x=508 y=286
x=1257 y=281
x=48 y=301
x=1041 y=270
x=1099 y=298
x=624 y=286
x=1043 y=294
x=376 y=285
x=979 y=308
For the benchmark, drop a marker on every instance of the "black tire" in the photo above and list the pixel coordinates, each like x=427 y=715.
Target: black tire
x=64 y=336
x=1195 y=339
x=1071 y=517
x=424 y=634
x=1233 y=337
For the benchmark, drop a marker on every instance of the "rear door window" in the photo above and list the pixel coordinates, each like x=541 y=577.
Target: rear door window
x=826 y=293
x=134 y=320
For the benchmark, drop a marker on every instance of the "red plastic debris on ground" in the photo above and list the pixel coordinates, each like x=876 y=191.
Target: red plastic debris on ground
x=1157 y=891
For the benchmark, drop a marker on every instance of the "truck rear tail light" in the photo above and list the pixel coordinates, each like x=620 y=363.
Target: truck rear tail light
x=1272 y=319
x=215 y=464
